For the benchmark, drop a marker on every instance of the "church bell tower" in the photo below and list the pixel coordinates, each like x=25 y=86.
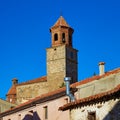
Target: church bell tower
x=61 y=56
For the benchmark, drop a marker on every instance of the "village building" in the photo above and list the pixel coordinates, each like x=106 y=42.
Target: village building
x=61 y=62
x=44 y=98
x=44 y=107
x=5 y=105
x=98 y=97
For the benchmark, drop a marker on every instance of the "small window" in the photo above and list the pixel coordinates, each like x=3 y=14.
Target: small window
x=31 y=111
x=70 y=38
x=55 y=36
x=46 y=112
x=19 y=117
x=63 y=37
x=71 y=55
x=91 y=116
x=66 y=100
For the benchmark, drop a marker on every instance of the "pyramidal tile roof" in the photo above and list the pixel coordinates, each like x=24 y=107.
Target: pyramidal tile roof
x=61 y=22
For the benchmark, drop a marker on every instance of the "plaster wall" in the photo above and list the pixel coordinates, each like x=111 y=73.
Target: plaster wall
x=98 y=86
x=29 y=91
x=4 y=105
x=38 y=109
x=109 y=110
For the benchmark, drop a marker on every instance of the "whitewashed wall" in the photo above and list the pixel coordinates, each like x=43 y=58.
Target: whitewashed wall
x=104 y=111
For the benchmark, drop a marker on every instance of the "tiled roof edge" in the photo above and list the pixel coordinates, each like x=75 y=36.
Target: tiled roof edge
x=40 y=99
x=41 y=79
x=91 y=98
x=97 y=77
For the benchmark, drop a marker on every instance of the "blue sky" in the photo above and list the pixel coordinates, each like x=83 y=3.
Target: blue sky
x=24 y=36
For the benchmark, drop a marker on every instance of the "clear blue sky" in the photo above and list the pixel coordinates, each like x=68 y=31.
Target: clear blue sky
x=24 y=36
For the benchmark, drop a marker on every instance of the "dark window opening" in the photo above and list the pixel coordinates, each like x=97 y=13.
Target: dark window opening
x=91 y=116
x=71 y=55
x=66 y=100
x=63 y=37
x=70 y=39
x=46 y=112
x=55 y=36
x=31 y=111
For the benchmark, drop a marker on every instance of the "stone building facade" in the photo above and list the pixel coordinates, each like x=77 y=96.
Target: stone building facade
x=97 y=98
x=61 y=57
x=44 y=107
x=28 y=90
x=61 y=62
x=105 y=110
x=100 y=103
x=4 y=105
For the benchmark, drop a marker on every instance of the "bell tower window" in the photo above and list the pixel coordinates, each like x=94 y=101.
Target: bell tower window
x=55 y=36
x=63 y=37
x=70 y=38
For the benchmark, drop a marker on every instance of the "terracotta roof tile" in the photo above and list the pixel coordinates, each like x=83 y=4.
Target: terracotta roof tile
x=95 y=77
x=12 y=90
x=73 y=86
x=93 y=97
x=37 y=80
x=61 y=22
x=34 y=100
x=41 y=79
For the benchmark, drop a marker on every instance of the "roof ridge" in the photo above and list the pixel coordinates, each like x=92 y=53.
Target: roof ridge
x=60 y=90
x=40 y=79
x=97 y=77
x=61 y=22
x=92 y=97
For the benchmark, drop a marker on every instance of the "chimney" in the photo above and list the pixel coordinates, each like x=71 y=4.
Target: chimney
x=68 y=93
x=101 y=68
x=14 y=81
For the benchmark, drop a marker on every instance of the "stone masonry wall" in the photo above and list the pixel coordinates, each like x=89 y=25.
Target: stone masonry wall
x=103 y=111
x=56 y=69
x=98 y=86
x=26 y=92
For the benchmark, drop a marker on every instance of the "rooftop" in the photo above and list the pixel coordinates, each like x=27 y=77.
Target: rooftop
x=105 y=96
x=61 y=22
x=12 y=90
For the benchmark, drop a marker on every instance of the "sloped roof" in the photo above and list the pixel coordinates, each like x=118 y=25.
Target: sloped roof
x=105 y=96
x=12 y=90
x=37 y=80
x=93 y=97
x=61 y=92
x=32 y=102
x=97 y=77
x=61 y=22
